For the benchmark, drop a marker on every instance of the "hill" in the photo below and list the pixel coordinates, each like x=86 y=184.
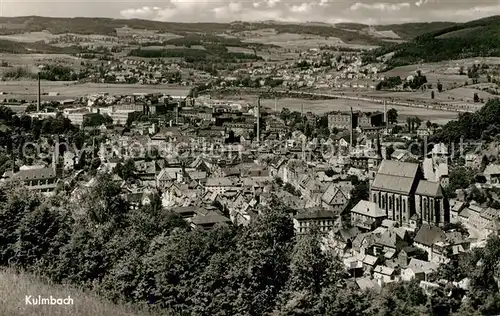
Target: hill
x=431 y=34
x=15 y=286
x=12 y=47
x=459 y=41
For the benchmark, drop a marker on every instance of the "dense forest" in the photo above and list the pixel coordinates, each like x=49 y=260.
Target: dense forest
x=212 y=53
x=150 y=257
x=472 y=39
x=483 y=124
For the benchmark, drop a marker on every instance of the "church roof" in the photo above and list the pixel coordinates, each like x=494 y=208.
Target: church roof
x=395 y=176
x=429 y=188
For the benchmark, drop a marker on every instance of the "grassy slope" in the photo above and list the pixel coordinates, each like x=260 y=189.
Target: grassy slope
x=14 y=287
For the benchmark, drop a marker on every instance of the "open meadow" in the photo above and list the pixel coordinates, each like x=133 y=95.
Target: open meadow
x=27 y=90
x=14 y=287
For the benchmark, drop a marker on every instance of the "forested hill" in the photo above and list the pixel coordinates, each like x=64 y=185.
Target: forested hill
x=466 y=40
x=347 y=32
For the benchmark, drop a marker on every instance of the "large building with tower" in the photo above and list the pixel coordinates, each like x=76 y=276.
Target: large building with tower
x=401 y=190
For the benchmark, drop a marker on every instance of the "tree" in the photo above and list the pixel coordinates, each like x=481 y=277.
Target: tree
x=476 y=98
x=392 y=116
x=417 y=121
x=311 y=270
x=440 y=87
x=388 y=152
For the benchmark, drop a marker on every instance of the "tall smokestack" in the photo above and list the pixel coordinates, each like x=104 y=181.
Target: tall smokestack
x=350 y=128
x=39 y=99
x=276 y=105
x=258 y=120
x=385 y=115
x=177 y=114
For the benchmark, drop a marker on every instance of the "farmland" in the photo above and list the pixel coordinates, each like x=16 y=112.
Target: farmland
x=26 y=90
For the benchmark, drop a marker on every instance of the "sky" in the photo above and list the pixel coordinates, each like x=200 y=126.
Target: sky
x=329 y=11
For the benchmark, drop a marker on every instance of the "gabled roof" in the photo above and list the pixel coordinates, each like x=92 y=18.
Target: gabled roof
x=392 y=183
x=492 y=169
x=211 y=218
x=424 y=266
x=429 y=235
x=216 y=182
x=168 y=174
x=429 y=188
x=384 y=270
x=399 y=169
x=34 y=174
x=368 y=209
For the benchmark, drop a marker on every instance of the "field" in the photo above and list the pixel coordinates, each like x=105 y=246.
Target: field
x=296 y=41
x=31 y=37
x=27 y=90
x=31 y=61
x=15 y=287
x=323 y=106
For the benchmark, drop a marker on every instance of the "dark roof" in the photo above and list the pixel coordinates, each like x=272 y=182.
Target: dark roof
x=211 y=218
x=395 y=176
x=429 y=188
x=35 y=174
x=186 y=210
x=428 y=235
x=349 y=233
x=315 y=213
x=399 y=169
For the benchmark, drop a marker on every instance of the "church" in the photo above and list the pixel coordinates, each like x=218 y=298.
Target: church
x=401 y=189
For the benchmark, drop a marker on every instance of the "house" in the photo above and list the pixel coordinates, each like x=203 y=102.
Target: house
x=492 y=174
x=340 y=240
x=306 y=218
x=390 y=242
x=36 y=178
x=219 y=185
x=384 y=274
x=438 y=244
x=408 y=253
x=209 y=220
x=400 y=154
x=367 y=215
x=423 y=131
x=367 y=284
x=456 y=207
x=188 y=212
x=419 y=270
x=336 y=197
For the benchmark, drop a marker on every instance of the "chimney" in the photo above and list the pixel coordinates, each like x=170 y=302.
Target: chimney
x=276 y=105
x=258 y=120
x=177 y=114
x=385 y=115
x=351 y=129
x=39 y=95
